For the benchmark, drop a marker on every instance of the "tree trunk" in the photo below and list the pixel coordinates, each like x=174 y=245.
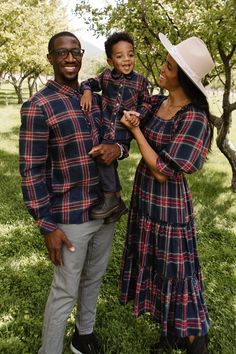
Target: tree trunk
x=32 y=87
x=17 y=83
x=223 y=143
x=229 y=151
x=18 y=90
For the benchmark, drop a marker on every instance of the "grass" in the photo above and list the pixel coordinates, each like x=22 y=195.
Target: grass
x=27 y=273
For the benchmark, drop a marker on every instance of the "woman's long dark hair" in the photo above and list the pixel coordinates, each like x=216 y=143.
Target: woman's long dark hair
x=198 y=99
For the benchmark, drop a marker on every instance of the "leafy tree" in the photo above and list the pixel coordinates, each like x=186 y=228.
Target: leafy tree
x=24 y=43
x=212 y=20
x=9 y=13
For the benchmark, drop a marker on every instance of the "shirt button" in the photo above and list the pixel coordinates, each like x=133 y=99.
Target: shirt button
x=117 y=104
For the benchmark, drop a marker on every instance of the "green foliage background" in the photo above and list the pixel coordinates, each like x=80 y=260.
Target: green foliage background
x=26 y=272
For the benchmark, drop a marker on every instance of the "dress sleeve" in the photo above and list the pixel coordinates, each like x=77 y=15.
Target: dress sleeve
x=189 y=146
x=33 y=158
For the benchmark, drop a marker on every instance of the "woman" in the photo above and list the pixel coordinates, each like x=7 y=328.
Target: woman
x=160 y=268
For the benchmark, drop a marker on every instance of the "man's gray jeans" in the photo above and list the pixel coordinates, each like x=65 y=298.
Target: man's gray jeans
x=78 y=280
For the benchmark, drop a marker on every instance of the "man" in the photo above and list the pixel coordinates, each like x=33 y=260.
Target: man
x=60 y=185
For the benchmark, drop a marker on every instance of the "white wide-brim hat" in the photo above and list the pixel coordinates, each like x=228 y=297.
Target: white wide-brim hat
x=192 y=56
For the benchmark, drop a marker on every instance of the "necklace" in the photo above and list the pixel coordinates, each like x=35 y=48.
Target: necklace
x=171 y=106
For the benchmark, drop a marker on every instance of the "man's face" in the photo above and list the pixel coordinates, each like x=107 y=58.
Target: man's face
x=66 y=66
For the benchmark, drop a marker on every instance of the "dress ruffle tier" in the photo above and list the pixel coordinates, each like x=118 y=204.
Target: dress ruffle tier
x=161 y=273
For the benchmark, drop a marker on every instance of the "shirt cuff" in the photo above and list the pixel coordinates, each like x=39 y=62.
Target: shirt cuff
x=46 y=226
x=84 y=87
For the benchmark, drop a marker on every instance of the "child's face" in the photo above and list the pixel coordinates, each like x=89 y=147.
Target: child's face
x=122 y=58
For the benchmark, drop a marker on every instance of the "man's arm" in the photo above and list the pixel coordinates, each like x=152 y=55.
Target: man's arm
x=34 y=135
x=33 y=143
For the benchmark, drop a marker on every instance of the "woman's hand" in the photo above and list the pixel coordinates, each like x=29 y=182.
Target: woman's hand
x=149 y=155
x=130 y=119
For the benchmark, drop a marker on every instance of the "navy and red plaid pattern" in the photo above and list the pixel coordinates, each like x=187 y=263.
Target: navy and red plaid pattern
x=160 y=267
x=59 y=179
x=119 y=92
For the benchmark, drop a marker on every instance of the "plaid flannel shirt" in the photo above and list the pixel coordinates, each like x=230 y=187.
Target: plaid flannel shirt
x=119 y=92
x=59 y=179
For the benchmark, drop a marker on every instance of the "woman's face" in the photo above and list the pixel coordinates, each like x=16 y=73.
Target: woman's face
x=169 y=74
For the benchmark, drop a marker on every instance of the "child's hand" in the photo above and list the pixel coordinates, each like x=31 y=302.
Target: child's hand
x=86 y=101
x=130 y=119
x=134 y=120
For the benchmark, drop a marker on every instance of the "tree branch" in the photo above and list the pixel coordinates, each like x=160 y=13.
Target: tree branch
x=232 y=107
x=231 y=53
x=145 y=23
x=148 y=67
x=216 y=121
x=170 y=19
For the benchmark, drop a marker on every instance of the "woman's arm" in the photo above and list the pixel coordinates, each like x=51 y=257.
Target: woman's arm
x=149 y=155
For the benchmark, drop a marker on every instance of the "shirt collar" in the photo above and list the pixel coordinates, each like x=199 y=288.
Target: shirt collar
x=117 y=75
x=64 y=89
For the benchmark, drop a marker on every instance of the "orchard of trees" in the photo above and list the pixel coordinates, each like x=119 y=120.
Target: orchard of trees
x=26 y=25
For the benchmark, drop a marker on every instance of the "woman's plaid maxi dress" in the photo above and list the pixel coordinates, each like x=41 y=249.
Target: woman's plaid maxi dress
x=160 y=267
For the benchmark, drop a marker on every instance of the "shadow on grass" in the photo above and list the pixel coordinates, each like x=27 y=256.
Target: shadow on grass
x=11 y=134
x=11 y=206
x=24 y=291
x=8 y=96
x=217 y=245
x=27 y=273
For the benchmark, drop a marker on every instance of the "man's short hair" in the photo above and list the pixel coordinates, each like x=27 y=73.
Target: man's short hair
x=114 y=38
x=57 y=35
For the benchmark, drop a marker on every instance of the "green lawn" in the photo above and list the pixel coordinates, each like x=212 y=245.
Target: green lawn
x=26 y=272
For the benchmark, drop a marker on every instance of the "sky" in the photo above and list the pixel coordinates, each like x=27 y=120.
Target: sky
x=78 y=27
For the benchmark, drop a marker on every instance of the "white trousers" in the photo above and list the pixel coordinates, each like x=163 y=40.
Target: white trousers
x=78 y=280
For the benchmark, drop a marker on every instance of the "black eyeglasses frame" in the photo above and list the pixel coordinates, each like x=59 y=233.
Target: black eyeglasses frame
x=58 y=52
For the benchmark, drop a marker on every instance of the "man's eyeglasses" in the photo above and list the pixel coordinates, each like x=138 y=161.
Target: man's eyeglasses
x=62 y=53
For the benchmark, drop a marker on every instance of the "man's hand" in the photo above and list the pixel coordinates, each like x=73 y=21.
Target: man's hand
x=54 y=242
x=105 y=153
x=86 y=101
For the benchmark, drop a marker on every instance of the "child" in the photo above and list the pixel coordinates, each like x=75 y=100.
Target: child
x=122 y=89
